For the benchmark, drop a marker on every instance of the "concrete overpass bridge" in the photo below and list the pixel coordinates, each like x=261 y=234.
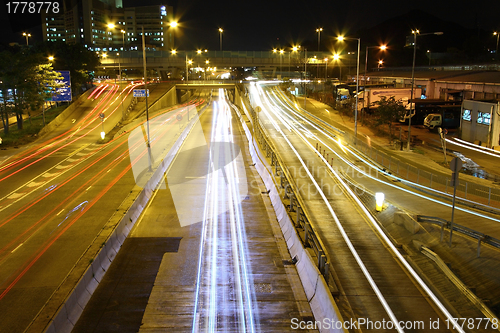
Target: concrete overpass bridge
x=289 y=63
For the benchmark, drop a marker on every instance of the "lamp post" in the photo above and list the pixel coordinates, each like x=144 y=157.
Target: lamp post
x=496 y=33
x=220 y=34
x=294 y=49
x=29 y=35
x=380 y=63
x=281 y=60
x=319 y=35
x=336 y=57
x=319 y=38
x=381 y=47
x=341 y=38
x=188 y=62
x=205 y=72
x=415 y=33
x=173 y=25
x=146 y=90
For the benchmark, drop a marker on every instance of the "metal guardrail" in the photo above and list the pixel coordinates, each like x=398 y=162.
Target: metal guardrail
x=467 y=191
x=481 y=238
x=302 y=219
x=458 y=283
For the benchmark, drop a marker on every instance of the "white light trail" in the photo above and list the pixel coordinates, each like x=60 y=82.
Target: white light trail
x=359 y=170
x=345 y=237
x=381 y=233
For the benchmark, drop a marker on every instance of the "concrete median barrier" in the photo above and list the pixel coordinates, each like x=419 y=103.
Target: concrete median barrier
x=318 y=294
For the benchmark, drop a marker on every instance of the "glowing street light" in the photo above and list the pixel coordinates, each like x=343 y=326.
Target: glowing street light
x=496 y=50
x=319 y=35
x=173 y=25
x=379 y=201
x=27 y=36
x=51 y=58
x=336 y=57
x=382 y=48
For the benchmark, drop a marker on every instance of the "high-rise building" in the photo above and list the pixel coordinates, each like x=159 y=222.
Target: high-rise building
x=88 y=22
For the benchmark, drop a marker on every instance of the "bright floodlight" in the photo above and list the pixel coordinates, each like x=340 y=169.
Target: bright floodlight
x=336 y=57
x=383 y=47
x=173 y=24
x=220 y=30
x=51 y=58
x=340 y=38
x=111 y=25
x=102 y=135
x=379 y=201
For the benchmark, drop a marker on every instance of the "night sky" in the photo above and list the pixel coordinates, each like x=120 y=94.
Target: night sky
x=262 y=25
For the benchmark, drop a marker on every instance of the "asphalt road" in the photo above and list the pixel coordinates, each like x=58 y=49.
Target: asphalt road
x=407 y=300
x=56 y=195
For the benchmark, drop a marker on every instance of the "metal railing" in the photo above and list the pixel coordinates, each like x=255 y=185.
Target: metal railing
x=471 y=193
x=292 y=199
x=481 y=238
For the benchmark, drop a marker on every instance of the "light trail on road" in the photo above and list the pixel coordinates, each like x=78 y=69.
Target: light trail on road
x=371 y=165
x=224 y=291
x=288 y=122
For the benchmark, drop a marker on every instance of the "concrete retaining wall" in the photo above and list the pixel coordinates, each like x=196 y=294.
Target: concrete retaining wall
x=409 y=222
x=317 y=291
x=69 y=312
x=168 y=99
x=65 y=114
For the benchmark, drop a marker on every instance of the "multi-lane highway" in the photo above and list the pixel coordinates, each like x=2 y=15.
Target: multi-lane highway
x=56 y=196
x=377 y=281
x=222 y=267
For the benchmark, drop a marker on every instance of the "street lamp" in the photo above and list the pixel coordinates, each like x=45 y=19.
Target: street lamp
x=380 y=63
x=415 y=33
x=319 y=35
x=173 y=25
x=146 y=94
x=29 y=35
x=341 y=38
x=188 y=62
x=294 y=49
x=220 y=34
x=496 y=50
x=336 y=57
x=281 y=59
x=381 y=47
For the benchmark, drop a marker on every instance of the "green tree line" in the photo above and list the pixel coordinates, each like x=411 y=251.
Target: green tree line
x=28 y=78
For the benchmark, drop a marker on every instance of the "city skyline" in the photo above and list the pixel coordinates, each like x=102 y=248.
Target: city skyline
x=271 y=24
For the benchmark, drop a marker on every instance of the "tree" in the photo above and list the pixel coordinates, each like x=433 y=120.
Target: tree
x=389 y=111
x=75 y=58
x=26 y=82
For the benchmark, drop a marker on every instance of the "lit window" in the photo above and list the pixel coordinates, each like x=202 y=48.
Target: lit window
x=483 y=118
x=467 y=115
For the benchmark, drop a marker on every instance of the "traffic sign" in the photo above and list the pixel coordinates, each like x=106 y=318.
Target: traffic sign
x=456 y=164
x=140 y=92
